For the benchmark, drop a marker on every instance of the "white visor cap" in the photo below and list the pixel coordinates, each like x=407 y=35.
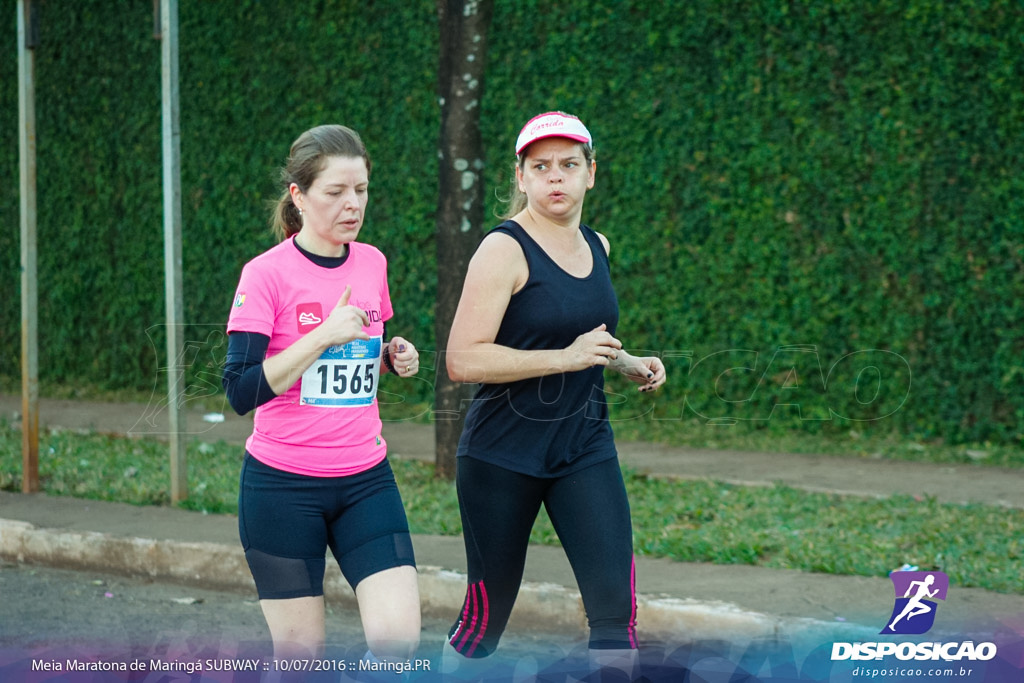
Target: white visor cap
x=551 y=125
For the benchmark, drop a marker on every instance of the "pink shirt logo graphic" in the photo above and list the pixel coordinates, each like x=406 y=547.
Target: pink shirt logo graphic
x=308 y=316
x=372 y=314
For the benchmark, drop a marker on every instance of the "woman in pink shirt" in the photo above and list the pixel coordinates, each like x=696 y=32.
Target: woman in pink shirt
x=307 y=345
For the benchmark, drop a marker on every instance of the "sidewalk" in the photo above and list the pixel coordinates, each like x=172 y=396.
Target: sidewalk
x=677 y=601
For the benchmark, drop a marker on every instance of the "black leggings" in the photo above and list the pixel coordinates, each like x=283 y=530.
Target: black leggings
x=590 y=513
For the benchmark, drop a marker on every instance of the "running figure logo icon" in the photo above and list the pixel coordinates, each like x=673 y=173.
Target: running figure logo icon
x=916 y=592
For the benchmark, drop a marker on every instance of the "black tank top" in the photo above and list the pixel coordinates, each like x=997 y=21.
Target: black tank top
x=553 y=425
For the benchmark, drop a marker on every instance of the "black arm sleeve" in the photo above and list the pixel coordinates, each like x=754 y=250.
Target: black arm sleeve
x=243 y=378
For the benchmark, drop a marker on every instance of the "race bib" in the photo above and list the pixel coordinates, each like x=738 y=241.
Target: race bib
x=343 y=376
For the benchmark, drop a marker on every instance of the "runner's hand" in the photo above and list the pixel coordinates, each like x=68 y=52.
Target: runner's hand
x=404 y=357
x=345 y=323
x=648 y=372
x=596 y=347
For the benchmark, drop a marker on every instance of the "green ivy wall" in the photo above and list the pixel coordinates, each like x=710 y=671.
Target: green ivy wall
x=812 y=203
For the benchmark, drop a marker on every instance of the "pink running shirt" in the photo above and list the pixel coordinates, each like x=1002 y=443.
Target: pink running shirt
x=327 y=424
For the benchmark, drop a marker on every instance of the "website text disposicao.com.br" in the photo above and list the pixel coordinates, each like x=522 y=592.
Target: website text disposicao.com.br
x=869 y=672
x=911 y=658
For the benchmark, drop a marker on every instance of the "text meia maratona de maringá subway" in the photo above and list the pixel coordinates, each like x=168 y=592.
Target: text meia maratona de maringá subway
x=188 y=667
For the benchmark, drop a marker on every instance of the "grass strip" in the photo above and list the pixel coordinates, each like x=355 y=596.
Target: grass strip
x=691 y=521
x=781 y=436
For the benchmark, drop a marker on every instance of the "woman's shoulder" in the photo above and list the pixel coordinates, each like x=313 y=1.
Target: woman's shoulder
x=501 y=241
x=273 y=256
x=592 y=235
x=499 y=256
x=366 y=251
x=508 y=227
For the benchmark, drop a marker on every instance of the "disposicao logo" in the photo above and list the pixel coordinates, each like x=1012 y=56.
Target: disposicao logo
x=913 y=613
x=915 y=607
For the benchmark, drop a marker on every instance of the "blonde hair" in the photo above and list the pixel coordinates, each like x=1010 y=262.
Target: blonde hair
x=308 y=157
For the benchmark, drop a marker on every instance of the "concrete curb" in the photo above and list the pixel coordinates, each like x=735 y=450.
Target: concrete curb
x=207 y=564
x=219 y=566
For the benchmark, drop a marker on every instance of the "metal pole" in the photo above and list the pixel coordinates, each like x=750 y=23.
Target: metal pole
x=171 y=134
x=27 y=33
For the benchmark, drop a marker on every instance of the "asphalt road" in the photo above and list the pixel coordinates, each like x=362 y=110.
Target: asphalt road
x=55 y=615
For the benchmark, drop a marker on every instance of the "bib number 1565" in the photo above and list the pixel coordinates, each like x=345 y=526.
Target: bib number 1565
x=343 y=381
x=343 y=376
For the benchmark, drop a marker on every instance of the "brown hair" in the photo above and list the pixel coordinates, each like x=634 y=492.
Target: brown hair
x=516 y=199
x=308 y=157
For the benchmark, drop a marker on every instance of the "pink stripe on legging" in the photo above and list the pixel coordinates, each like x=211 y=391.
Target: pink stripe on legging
x=464 y=627
x=483 y=621
x=632 y=616
x=472 y=617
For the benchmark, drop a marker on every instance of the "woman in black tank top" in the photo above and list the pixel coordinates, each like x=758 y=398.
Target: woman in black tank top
x=536 y=327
